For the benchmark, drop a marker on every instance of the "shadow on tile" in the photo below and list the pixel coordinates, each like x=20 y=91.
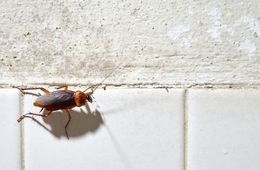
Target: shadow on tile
x=81 y=123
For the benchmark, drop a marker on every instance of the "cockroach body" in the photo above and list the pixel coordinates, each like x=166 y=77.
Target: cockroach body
x=61 y=99
x=58 y=100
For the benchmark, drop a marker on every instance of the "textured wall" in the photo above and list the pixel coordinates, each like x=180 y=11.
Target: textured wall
x=158 y=42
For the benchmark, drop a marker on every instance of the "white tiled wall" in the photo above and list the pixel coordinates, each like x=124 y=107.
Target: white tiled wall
x=10 y=148
x=223 y=129
x=137 y=129
x=132 y=129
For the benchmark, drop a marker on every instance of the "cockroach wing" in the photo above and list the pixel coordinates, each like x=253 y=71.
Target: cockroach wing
x=56 y=97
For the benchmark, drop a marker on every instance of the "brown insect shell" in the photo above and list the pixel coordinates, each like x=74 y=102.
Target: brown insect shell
x=80 y=98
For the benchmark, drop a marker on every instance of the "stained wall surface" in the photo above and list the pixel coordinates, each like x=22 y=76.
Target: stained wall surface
x=155 y=42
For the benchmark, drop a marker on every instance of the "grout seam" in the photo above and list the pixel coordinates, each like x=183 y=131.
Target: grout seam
x=21 y=109
x=151 y=85
x=185 y=137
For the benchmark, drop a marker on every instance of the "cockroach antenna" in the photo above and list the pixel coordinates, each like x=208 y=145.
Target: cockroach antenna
x=99 y=84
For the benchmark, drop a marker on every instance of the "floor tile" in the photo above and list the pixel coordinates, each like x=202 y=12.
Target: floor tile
x=131 y=129
x=10 y=157
x=223 y=129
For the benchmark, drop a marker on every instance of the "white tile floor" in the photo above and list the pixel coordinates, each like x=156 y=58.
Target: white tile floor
x=137 y=129
x=10 y=148
x=223 y=129
x=133 y=129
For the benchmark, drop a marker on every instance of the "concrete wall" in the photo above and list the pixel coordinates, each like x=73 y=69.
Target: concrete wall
x=157 y=42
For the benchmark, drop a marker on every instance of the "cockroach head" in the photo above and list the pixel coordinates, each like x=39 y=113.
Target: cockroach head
x=88 y=92
x=80 y=98
x=88 y=96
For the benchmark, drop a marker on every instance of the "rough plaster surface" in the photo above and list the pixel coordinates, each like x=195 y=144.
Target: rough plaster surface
x=157 y=41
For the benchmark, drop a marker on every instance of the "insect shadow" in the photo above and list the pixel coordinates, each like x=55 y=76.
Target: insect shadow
x=81 y=122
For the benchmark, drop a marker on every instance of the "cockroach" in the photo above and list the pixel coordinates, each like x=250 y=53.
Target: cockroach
x=59 y=100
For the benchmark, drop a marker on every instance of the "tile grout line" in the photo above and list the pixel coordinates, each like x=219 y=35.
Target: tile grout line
x=21 y=109
x=154 y=85
x=185 y=136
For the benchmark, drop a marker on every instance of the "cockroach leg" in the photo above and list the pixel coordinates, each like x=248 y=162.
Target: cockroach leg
x=30 y=93
x=41 y=110
x=33 y=88
x=69 y=118
x=64 y=86
x=24 y=116
x=33 y=114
